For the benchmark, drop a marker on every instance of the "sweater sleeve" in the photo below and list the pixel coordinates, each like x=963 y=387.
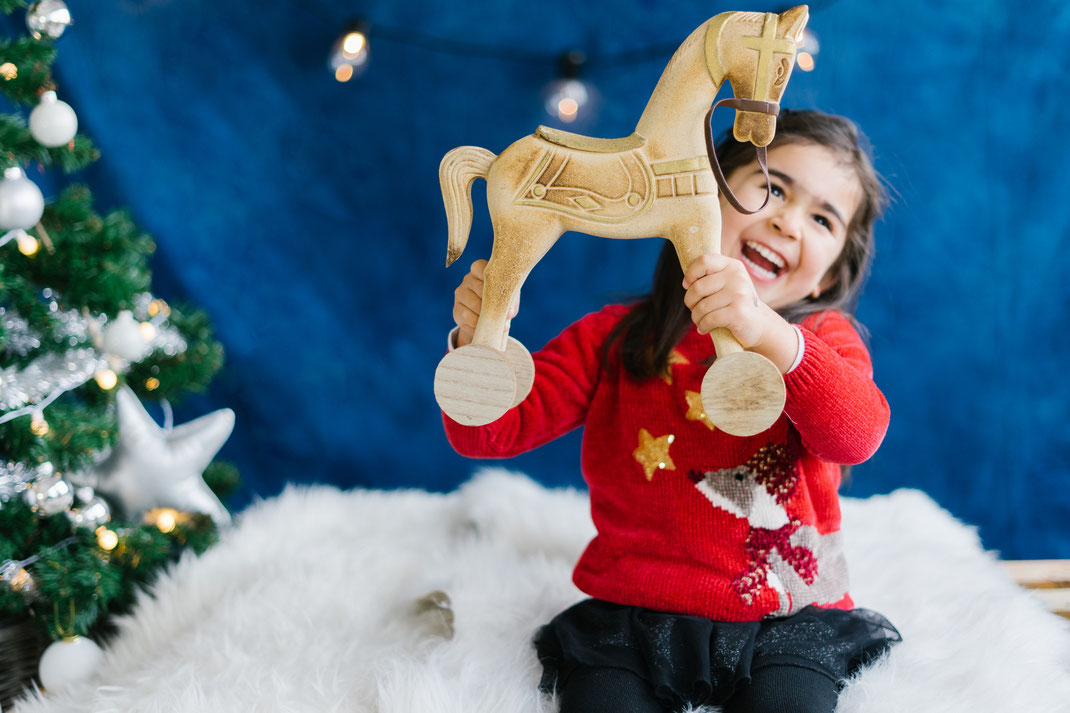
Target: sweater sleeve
x=832 y=400
x=567 y=371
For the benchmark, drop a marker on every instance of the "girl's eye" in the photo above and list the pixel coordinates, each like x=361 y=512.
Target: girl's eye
x=776 y=191
x=823 y=222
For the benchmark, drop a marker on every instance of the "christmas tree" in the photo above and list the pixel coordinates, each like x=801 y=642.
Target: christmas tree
x=95 y=497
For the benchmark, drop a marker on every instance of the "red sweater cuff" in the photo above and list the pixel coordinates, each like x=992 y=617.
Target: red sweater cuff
x=840 y=413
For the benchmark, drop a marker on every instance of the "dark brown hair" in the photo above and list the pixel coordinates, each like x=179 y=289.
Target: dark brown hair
x=660 y=319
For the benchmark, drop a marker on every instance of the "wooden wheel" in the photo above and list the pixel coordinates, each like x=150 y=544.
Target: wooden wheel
x=519 y=359
x=475 y=385
x=743 y=393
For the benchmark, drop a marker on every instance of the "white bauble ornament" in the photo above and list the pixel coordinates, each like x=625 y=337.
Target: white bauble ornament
x=90 y=515
x=48 y=18
x=21 y=202
x=122 y=337
x=50 y=494
x=53 y=122
x=68 y=661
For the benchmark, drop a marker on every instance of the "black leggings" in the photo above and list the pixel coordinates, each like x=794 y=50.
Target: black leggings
x=773 y=689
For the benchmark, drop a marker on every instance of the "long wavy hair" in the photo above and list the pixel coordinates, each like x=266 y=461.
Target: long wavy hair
x=660 y=319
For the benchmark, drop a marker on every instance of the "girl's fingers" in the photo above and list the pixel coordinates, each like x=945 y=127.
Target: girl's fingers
x=708 y=305
x=705 y=264
x=477 y=269
x=702 y=287
x=468 y=297
x=464 y=317
x=728 y=317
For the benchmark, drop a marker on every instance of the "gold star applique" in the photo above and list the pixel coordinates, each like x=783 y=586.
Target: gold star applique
x=695 y=412
x=653 y=453
x=675 y=358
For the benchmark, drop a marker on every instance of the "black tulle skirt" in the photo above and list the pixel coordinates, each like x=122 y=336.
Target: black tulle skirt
x=689 y=659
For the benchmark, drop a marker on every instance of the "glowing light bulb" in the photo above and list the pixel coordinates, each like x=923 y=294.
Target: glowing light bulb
x=353 y=44
x=158 y=306
x=148 y=331
x=8 y=71
x=349 y=55
x=107 y=539
x=107 y=379
x=20 y=579
x=165 y=520
x=28 y=245
x=344 y=73
x=809 y=47
x=567 y=108
x=152 y=383
x=38 y=425
x=570 y=99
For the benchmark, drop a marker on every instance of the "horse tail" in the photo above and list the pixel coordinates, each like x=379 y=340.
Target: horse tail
x=459 y=168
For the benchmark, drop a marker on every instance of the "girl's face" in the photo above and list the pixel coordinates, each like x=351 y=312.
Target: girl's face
x=789 y=246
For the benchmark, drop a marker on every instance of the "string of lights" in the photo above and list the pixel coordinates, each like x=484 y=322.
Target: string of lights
x=565 y=98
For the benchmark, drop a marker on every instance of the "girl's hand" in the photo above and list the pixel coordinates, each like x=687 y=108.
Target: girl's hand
x=719 y=293
x=468 y=300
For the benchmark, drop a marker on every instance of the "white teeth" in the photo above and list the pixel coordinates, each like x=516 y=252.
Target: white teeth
x=759 y=270
x=767 y=254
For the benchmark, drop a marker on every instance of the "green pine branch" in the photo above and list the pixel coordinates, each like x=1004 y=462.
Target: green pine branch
x=20 y=148
x=33 y=61
x=95 y=262
x=188 y=372
x=76 y=585
x=9 y=6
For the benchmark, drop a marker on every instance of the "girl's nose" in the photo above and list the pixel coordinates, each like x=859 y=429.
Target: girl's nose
x=788 y=222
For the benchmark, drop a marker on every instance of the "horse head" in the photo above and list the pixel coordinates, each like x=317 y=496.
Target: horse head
x=755 y=52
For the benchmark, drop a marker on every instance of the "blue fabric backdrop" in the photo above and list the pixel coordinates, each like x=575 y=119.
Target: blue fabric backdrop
x=304 y=215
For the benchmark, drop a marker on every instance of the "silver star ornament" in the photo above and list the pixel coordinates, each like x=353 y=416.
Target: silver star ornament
x=154 y=467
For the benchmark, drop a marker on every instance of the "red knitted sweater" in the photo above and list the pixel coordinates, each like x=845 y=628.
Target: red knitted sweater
x=689 y=519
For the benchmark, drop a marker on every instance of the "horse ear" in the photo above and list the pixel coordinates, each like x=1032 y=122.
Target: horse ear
x=795 y=20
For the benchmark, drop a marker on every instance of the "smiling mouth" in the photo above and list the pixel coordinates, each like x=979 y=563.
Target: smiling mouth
x=762 y=261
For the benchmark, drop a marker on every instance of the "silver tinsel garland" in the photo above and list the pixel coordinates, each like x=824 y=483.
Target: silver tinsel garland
x=49 y=373
x=13 y=479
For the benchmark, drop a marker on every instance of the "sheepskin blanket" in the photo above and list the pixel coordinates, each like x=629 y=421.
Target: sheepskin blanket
x=409 y=602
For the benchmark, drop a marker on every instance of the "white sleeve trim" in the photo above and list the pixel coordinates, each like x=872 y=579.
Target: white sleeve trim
x=802 y=348
x=451 y=339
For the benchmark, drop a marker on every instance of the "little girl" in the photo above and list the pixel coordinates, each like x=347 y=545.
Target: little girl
x=717 y=575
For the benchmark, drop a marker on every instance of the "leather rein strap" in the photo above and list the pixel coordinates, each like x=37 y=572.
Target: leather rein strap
x=743 y=105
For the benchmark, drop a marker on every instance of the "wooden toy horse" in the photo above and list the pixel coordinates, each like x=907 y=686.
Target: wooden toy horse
x=656 y=182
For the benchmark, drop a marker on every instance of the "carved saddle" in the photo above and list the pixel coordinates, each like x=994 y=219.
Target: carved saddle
x=587 y=143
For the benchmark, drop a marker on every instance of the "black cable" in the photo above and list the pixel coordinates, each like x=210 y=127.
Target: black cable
x=430 y=43
x=468 y=49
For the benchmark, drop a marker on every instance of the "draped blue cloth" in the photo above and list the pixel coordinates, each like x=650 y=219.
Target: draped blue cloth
x=305 y=216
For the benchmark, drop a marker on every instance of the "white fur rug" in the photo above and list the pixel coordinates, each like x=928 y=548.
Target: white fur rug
x=310 y=604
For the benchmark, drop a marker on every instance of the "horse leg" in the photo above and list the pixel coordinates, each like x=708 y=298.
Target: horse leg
x=477 y=383
x=518 y=246
x=701 y=235
x=743 y=392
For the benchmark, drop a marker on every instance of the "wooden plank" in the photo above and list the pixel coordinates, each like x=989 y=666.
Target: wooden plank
x=1058 y=600
x=1042 y=574
x=1047 y=579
